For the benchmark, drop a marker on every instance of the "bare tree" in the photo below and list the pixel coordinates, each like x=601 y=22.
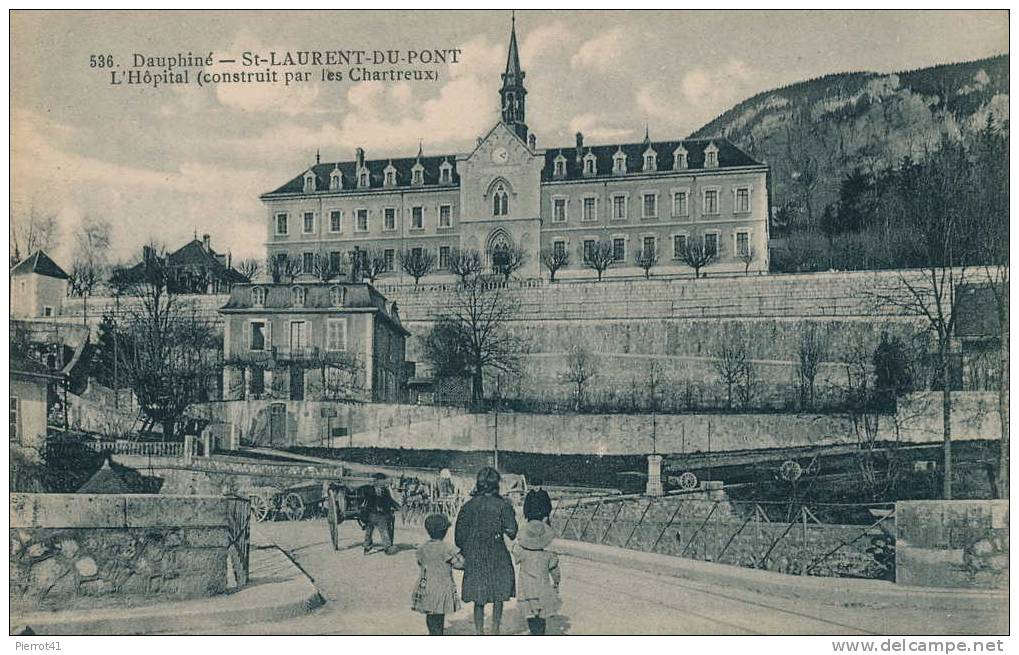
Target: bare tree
x=371 y=263
x=82 y=281
x=696 y=256
x=31 y=232
x=465 y=263
x=476 y=324
x=934 y=203
x=417 y=262
x=554 y=260
x=732 y=361
x=646 y=258
x=327 y=268
x=509 y=262
x=581 y=368
x=91 y=261
x=340 y=377
x=249 y=268
x=599 y=256
x=171 y=349
x=812 y=350
x=283 y=268
x=747 y=257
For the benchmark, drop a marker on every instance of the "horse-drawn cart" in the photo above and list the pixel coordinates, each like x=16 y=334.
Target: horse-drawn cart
x=290 y=503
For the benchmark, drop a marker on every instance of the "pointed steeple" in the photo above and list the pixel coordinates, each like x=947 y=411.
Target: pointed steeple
x=420 y=149
x=513 y=92
x=513 y=58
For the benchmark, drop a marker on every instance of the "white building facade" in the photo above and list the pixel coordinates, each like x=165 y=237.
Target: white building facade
x=659 y=196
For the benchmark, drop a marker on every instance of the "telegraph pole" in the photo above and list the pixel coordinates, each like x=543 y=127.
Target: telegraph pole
x=495 y=445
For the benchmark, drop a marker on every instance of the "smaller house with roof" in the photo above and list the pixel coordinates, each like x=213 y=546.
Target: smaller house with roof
x=193 y=268
x=29 y=405
x=313 y=341
x=38 y=287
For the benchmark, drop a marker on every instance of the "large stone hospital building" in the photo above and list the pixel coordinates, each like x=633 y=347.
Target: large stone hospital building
x=508 y=192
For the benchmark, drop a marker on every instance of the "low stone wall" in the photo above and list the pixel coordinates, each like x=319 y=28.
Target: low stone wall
x=218 y=476
x=85 y=551
x=952 y=543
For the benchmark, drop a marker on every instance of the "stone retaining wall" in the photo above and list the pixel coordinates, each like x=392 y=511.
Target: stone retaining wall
x=952 y=543
x=79 y=551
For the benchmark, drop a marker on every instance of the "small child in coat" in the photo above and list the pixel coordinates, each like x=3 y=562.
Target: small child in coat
x=538 y=574
x=435 y=594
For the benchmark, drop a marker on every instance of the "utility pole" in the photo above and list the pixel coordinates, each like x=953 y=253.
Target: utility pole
x=116 y=328
x=495 y=449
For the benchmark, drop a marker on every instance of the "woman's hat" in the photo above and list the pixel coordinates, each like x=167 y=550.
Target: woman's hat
x=535 y=535
x=445 y=473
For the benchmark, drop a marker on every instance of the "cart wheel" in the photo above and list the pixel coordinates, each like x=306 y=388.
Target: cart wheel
x=293 y=507
x=688 y=481
x=259 y=507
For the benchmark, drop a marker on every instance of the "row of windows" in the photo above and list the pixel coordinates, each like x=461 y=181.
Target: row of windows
x=650 y=159
x=298 y=295
x=649 y=205
x=260 y=335
x=649 y=244
x=336 y=263
x=388 y=177
x=362 y=220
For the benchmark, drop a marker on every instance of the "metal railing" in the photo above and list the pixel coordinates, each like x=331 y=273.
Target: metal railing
x=844 y=540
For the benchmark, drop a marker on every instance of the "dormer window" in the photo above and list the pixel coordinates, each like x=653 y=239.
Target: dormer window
x=390 y=176
x=650 y=160
x=309 y=182
x=417 y=175
x=711 y=156
x=590 y=164
x=559 y=169
x=335 y=180
x=337 y=296
x=679 y=159
x=445 y=173
x=363 y=179
x=258 y=296
x=297 y=296
x=619 y=163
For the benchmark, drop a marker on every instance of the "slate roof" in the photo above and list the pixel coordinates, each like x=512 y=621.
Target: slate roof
x=317 y=296
x=21 y=363
x=115 y=479
x=376 y=169
x=39 y=262
x=728 y=156
x=194 y=254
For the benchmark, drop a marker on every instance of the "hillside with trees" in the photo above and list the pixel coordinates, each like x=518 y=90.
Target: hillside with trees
x=846 y=150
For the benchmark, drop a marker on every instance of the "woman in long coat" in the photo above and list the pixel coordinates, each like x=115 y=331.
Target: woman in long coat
x=488 y=569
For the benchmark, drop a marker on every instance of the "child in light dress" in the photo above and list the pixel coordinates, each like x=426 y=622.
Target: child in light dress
x=538 y=574
x=435 y=593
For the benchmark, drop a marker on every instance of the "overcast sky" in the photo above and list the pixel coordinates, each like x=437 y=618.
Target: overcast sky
x=163 y=163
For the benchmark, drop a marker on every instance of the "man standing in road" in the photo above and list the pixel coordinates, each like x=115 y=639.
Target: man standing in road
x=378 y=513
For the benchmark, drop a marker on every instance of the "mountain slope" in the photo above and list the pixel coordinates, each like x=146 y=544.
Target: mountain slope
x=814 y=133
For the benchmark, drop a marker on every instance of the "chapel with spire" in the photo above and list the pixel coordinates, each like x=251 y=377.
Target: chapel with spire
x=513 y=94
x=518 y=203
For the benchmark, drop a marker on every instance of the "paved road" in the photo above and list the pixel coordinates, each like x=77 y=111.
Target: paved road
x=371 y=595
